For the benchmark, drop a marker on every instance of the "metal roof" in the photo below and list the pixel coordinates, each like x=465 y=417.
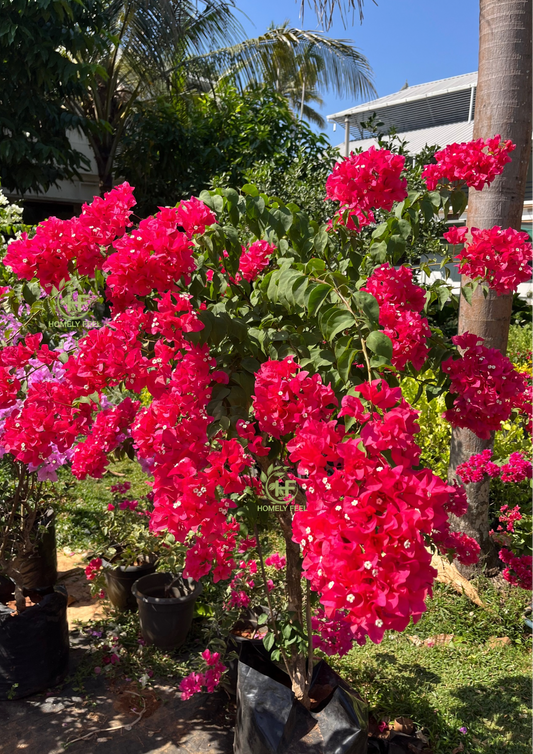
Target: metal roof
x=434 y=103
x=416 y=140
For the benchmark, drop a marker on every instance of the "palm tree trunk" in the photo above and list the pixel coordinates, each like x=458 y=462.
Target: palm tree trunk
x=503 y=106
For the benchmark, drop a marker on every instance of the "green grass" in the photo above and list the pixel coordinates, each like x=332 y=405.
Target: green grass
x=463 y=684
x=83 y=504
x=444 y=688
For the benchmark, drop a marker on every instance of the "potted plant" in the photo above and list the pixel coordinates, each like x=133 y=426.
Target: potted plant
x=272 y=348
x=131 y=550
x=33 y=614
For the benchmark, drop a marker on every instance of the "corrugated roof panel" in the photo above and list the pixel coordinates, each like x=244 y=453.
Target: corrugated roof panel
x=451 y=133
x=411 y=94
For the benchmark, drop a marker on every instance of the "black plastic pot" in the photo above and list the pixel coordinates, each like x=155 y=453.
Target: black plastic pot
x=33 y=647
x=236 y=643
x=120 y=580
x=271 y=721
x=166 y=621
x=37 y=569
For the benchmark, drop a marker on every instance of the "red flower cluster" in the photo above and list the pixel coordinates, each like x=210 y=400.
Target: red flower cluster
x=85 y=240
x=333 y=636
x=285 y=397
x=475 y=163
x=154 y=257
x=92 y=569
x=502 y=258
x=366 y=181
x=194 y=216
x=476 y=467
x=193 y=683
x=516 y=469
x=255 y=259
x=48 y=417
x=400 y=303
x=107 y=433
x=363 y=533
x=486 y=385
x=519 y=571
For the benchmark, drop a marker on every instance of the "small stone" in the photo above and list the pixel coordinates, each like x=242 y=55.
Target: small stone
x=404 y=725
x=498 y=641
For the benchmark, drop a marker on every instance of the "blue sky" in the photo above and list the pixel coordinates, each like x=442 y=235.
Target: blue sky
x=413 y=40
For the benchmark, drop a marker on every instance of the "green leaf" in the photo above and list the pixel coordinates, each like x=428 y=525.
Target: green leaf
x=250 y=189
x=366 y=303
x=262 y=619
x=344 y=363
x=380 y=344
x=268 y=641
x=340 y=319
x=320 y=241
x=467 y=291
x=317 y=297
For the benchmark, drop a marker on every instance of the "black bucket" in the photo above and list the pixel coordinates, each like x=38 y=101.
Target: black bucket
x=166 y=621
x=34 y=647
x=119 y=582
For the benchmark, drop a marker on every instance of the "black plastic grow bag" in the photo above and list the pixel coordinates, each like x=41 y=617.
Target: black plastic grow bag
x=33 y=647
x=271 y=721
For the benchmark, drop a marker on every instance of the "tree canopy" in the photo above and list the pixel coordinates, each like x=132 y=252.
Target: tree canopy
x=45 y=47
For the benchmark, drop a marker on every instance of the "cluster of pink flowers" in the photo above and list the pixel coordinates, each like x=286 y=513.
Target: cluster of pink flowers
x=364 y=182
x=362 y=532
x=285 y=397
x=83 y=241
x=255 y=259
x=333 y=636
x=519 y=571
x=194 y=216
x=475 y=163
x=508 y=516
x=501 y=258
x=155 y=256
x=477 y=466
x=193 y=683
x=121 y=488
x=400 y=303
x=92 y=569
x=486 y=385
x=108 y=431
x=276 y=560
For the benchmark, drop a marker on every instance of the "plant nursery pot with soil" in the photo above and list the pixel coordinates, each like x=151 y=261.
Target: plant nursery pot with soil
x=34 y=645
x=166 y=607
x=120 y=580
x=245 y=632
x=271 y=721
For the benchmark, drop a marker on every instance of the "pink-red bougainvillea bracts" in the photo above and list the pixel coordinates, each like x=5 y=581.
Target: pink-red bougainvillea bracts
x=371 y=513
x=501 y=258
x=400 y=302
x=485 y=384
x=476 y=163
x=364 y=182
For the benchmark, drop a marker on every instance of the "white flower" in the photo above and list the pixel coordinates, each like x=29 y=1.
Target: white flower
x=350 y=598
x=379 y=622
x=407 y=544
x=338 y=507
x=331 y=585
x=368 y=565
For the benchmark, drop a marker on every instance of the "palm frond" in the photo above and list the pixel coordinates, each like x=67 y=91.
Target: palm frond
x=335 y=64
x=324 y=10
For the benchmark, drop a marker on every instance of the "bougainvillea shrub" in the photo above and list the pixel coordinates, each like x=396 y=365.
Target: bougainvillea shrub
x=271 y=347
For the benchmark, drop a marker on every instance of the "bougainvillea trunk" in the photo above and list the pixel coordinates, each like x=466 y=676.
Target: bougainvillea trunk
x=503 y=105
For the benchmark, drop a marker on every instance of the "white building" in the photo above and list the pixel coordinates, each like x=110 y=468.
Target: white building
x=437 y=113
